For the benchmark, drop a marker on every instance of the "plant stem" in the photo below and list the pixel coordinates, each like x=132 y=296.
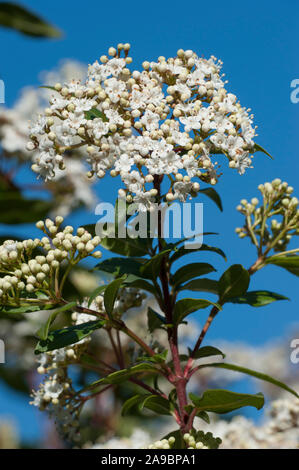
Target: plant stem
x=179 y=380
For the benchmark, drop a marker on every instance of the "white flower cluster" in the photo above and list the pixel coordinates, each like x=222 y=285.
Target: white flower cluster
x=169 y=119
x=27 y=273
x=277 y=202
x=70 y=188
x=56 y=394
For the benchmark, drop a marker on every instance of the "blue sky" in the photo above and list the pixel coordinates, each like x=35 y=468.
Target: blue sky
x=258 y=44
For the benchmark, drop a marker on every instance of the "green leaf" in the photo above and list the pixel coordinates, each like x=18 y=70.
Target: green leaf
x=156 y=403
x=13 y=310
x=131 y=402
x=259 y=148
x=290 y=263
x=151 y=268
x=204 y=416
x=233 y=283
x=120 y=266
x=61 y=338
x=141 y=284
x=95 y=113
x=212 y=194
x=224 y=401
x=253 y=373
x=190 y=271
x=124 y=374
x=258 y=298
x=186 y=306
x=23 y=20
x=126 y=246
x=43 y=332
x=154 y=319
x=110 y=295
x=182 y=251
x=201 y=285
x=158 y=358
x=207 y=351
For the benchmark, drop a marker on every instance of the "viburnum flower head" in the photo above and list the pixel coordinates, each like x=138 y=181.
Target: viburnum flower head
x=171 y=118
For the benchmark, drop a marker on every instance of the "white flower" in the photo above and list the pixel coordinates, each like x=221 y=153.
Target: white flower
x=114 y=88
x=150 y=120
x=124 y=163
x=115 y=66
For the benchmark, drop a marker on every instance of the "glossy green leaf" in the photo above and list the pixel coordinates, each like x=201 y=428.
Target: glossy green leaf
x=16 y=17
x=182 y=251
x=213 y=195
x=201 y=285
x=233 y=283
x=156 y=403
x=61 y=338
x=225 y=401
x=258 y=298
x=186 y=306
x=43 y=332
x=124 y=374
x=14 y=310
x=207 y=351
x=290 y=263
x=120 y=266
x=110 y=294
x=141 y=284
x=189 y=271
x=158 y=358
x=253 y=373
x=126 y=246
x=132 y=402
x=259 y=148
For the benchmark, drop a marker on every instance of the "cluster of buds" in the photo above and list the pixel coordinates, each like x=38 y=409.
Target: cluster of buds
x=172 y=118
x=201 y=440
x=163 y=444
x=31 y=267
x=274 y=222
